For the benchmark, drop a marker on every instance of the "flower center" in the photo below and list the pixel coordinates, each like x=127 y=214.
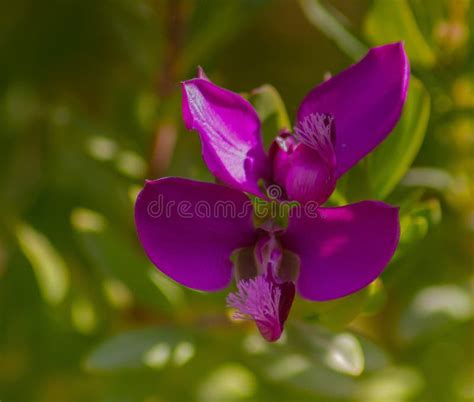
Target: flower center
x=267 y=296
x=317 y=132
x=258 y=299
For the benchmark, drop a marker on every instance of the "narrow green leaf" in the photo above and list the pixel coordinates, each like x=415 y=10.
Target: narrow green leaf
x=152 y=348
x=48 y=265
x=341 y=352
x=268 y=101
x=390 y=161
x=345 y=355
x=392 y=21
x=271 y=110
x=430 y=177
x=116 y=258
x=319 y=16
x=415 y=224
x=435 y=307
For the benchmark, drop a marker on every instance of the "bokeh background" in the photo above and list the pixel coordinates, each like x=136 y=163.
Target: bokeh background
x=90 y=107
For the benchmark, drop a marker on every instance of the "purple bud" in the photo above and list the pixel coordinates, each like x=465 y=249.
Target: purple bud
x=301 y=171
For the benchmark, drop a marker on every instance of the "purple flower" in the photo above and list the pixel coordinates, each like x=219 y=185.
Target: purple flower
x=195 y=228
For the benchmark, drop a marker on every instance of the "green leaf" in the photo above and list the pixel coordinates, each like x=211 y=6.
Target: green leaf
x=337 y=198
x=435 y=307
x=271 y=110
x=415 y=224
x=336 y=314
x=391 y=384
x=392 y=21
x=355 y=184
x=319 y=16
x=390 y=161
x=315 y=360
x=152 y=348
x=83 y=315
x=48 y=265
x=297 y=370
x=116 y=257
x=376 y=298
x=429 y=177
x=229 y=382
x=342 y=352
x=355 y=355
x=345 y=355
x=429 y=209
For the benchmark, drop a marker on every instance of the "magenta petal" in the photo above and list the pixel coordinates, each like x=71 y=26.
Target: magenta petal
x=189 y=229
x=366 y=101
x=229 y=128
x=343 y=249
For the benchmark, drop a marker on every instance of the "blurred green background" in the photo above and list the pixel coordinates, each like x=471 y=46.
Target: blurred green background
x=90 y=107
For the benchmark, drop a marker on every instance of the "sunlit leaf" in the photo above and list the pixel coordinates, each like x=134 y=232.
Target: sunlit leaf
x=341 y=352
x=392 y=384
x=152 y=348
x=230 y=382
x=117 y=293
x=130 y=164
x=101 y=148
x=298 y=371
x=345 y=355
x=83 y=315
x=86 y=220
x=48 y=265
x=313 y=359
x=430 y=177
